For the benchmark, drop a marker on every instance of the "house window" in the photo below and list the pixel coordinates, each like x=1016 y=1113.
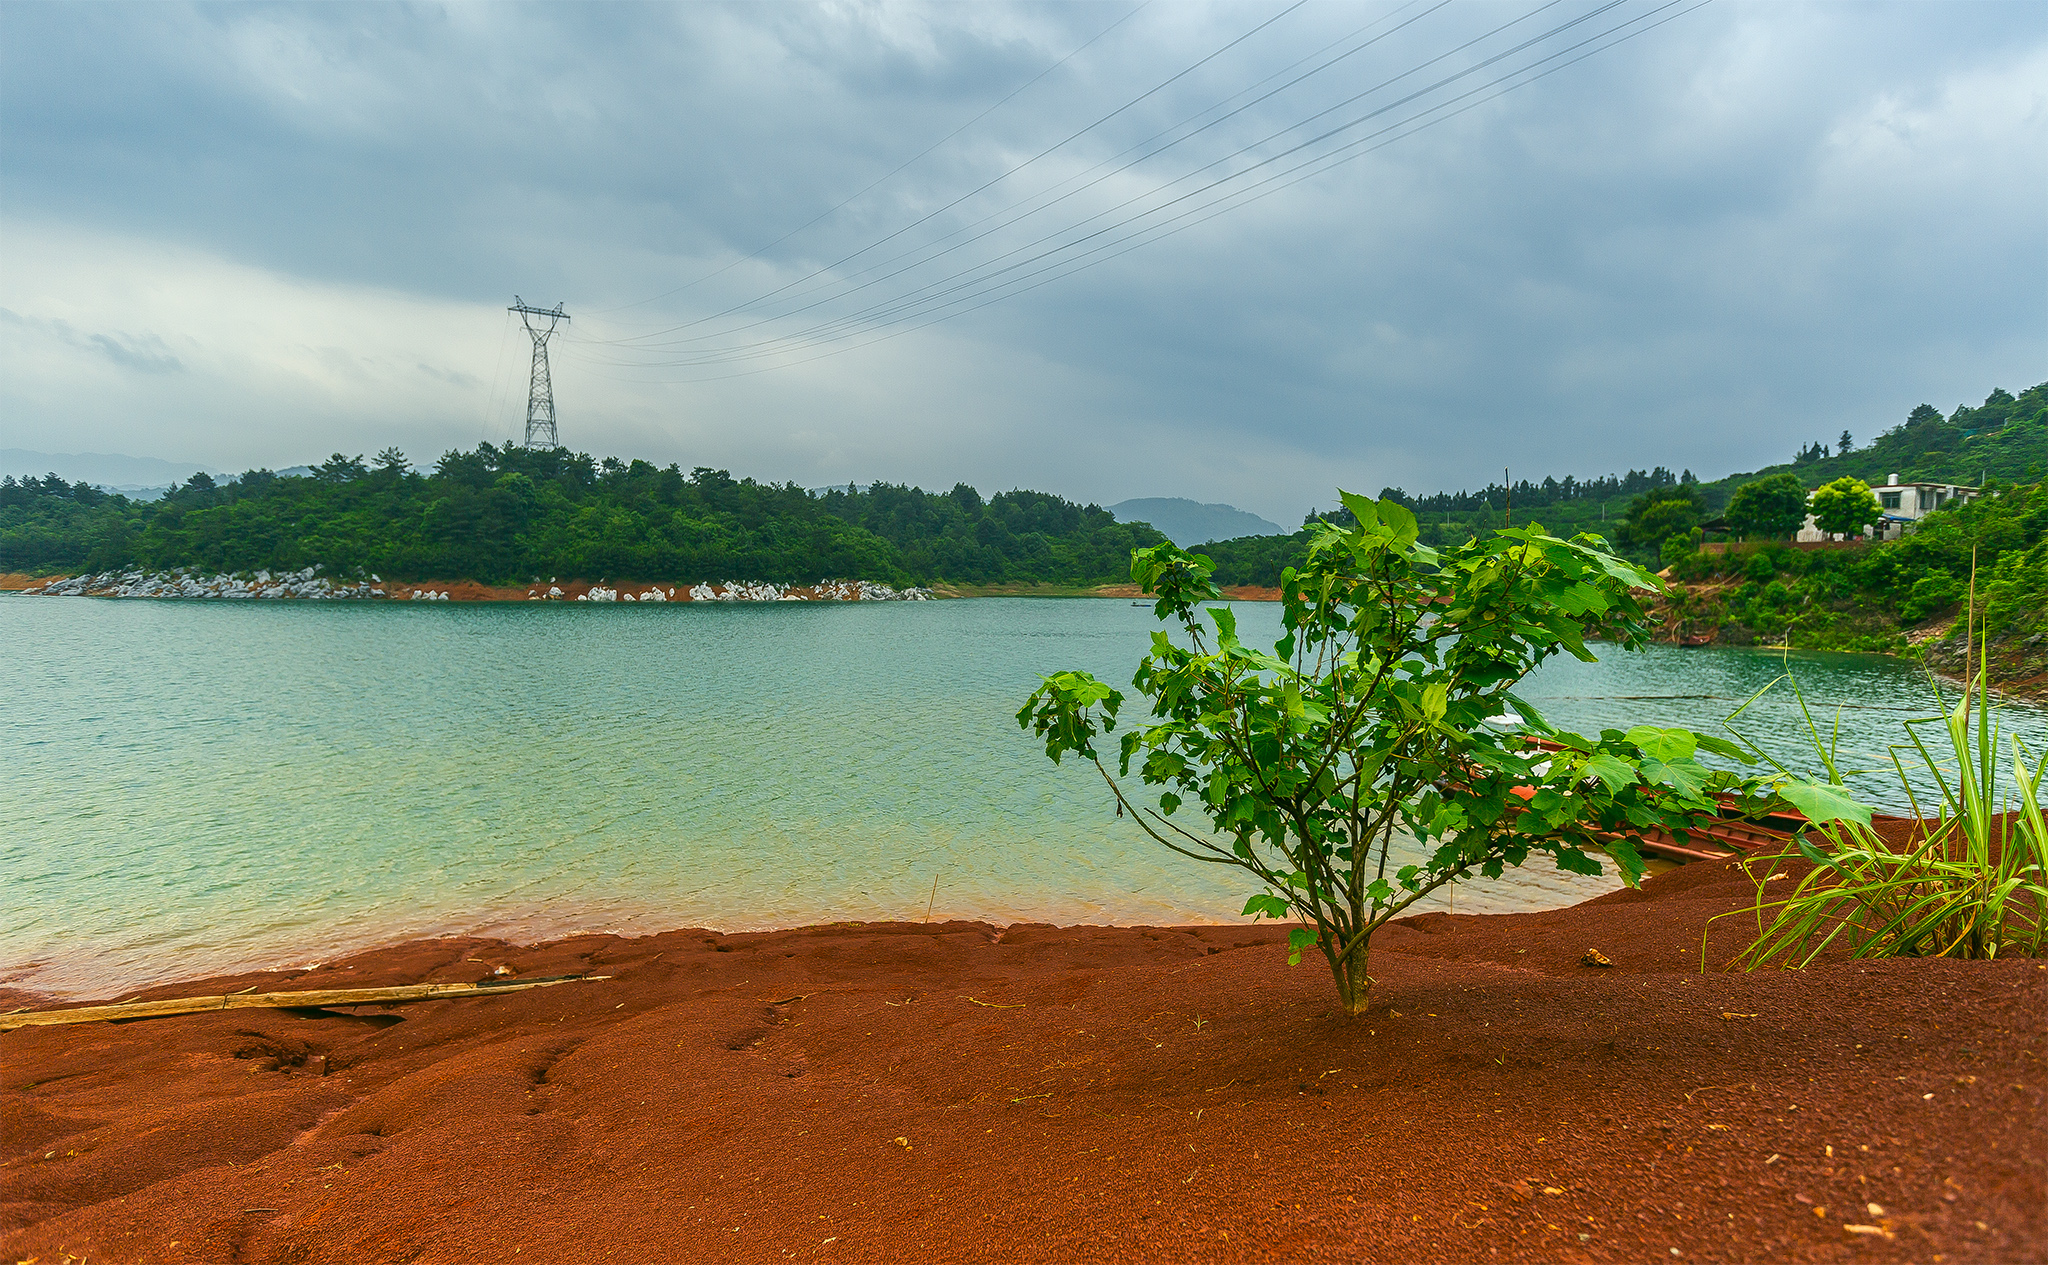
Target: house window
x=1890 y=500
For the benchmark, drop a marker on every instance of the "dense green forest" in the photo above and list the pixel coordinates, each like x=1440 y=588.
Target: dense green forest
x=512 y=514
x=1841 y=599
x=2003 y=440
x=1762 y=590
x=1866 y=598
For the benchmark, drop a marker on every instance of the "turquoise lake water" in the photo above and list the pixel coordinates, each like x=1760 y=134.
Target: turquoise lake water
x=196 y=786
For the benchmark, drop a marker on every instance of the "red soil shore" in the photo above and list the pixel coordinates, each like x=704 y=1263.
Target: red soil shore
x=1235 y=592
x=953 y=1092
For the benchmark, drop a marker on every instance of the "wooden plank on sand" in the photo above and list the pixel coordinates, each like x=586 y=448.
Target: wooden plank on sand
x=260 y=1001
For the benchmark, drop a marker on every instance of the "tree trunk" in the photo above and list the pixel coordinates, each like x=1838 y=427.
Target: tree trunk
x=1354 y=986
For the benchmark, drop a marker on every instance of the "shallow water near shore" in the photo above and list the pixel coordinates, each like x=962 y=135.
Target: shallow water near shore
x=195 y=787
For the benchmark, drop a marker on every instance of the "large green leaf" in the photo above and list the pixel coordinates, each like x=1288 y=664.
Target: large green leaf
x=1400 y=522
x=1363 y=508
x=1723 y=747
x=1664 y=744
x=1612 y=772
x=1822 y=802
x=1267 y=905
x=1298 y=939
x=1573 y=861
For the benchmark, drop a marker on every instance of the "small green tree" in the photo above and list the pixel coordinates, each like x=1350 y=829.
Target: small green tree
x=1367 y=726
x=1661 y=513
x=1769 y=509
x=341 y=469
x=1846 y=506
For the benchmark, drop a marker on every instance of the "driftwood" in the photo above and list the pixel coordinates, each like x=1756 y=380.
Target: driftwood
x=312 y=998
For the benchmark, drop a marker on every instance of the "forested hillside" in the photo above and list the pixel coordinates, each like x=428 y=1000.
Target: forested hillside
x=512 y=514
x=1868 y=598
x=2003 y=440
x=1888 y=596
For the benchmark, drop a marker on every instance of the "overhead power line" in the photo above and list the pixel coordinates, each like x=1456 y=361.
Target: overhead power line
x=799 y=338
x=988 y=184
x=845 y=282
x=872 y=185
x=983 y=283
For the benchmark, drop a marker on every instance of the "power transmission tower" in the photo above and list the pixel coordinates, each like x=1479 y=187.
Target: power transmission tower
x=540 y=391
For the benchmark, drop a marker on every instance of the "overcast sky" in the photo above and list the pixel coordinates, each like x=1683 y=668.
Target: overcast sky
x=252 y=235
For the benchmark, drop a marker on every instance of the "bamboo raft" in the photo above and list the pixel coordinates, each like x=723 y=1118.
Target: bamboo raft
x=312 y=999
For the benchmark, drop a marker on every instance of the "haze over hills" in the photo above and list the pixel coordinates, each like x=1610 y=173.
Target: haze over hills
x=137 y=478
x=112 y=470
x=1186 y=522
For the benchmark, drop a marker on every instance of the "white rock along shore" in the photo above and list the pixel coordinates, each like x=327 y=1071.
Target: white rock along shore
x=309 y=585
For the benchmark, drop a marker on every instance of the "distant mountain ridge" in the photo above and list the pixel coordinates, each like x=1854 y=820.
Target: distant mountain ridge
x=112 y=469
x=104 y=470
x=1186 y=522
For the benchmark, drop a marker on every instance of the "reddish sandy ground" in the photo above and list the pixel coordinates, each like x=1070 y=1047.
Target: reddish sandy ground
x=1235 y=592
x=958 y=1092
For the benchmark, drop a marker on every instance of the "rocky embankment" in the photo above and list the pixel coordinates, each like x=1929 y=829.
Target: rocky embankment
x=1698 y=614
x=2018 y=660
x=740 y=591
x=307 y=583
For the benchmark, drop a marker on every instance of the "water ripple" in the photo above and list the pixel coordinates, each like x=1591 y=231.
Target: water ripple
x=198 y=787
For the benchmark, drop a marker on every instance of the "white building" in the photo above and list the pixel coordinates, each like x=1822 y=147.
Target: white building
x=1903 y=505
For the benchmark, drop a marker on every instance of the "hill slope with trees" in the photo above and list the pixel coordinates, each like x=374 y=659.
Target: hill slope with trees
x=1188 y=522
x=1894 y=596
x=2003 y=440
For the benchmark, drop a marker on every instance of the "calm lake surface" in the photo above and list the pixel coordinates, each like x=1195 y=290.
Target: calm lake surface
x=193 y=786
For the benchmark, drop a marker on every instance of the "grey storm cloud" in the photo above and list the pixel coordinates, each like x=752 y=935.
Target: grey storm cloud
x=143 y=353
x=846 y=241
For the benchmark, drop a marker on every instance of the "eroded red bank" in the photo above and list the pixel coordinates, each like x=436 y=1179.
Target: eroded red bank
x=962 y=1092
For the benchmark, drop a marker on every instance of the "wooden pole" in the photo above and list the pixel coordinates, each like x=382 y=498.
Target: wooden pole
x=272 y=1001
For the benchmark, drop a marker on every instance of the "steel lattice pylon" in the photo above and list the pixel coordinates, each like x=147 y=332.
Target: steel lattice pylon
x=540 y=391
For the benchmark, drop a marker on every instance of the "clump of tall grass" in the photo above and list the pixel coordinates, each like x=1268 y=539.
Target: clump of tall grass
x=1971 y=882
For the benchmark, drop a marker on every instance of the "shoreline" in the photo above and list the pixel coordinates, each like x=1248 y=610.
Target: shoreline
x=582 y=590
x=1077 y=1093
x=308 y=584
x=2029 y=686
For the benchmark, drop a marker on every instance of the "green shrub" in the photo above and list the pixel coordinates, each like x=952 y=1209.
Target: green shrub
x=1973 y=885
x=1930 y=595
x=2016 y=591
x=1370 y=719
x=1845 y=506
x=1678 y=550
x=1770 y=508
